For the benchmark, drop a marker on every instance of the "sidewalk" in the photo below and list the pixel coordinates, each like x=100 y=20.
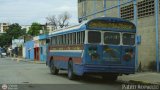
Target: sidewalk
x=142 y=77
x=28 y=60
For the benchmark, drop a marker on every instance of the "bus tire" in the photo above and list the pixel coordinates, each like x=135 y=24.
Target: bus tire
x=53 y=69
x=71 y=74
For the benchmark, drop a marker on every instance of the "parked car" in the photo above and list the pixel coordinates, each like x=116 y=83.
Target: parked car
x=2 y=52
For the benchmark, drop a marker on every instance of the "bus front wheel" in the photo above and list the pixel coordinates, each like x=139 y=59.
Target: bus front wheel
x=53 y=69
x=71 y=75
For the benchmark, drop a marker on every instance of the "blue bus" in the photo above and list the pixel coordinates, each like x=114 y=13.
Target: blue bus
x=102 y=46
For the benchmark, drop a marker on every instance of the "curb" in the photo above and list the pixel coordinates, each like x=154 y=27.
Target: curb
x=27 y=60
x=136 y=82
x=143 y=82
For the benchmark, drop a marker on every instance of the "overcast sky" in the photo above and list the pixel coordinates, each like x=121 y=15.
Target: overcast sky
x=25 y=12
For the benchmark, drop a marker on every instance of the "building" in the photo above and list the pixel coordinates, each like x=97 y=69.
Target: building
x=50 y=28
x=28 y=50
x=26 y=27
x=145 y=15
x=40 y=48
x=36 y=49
x=3 y=27
x=17 y=47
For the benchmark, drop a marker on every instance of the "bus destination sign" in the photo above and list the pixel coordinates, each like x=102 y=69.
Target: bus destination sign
x=115 y=25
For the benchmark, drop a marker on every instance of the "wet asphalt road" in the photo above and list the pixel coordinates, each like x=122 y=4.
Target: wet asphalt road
x=30 y=76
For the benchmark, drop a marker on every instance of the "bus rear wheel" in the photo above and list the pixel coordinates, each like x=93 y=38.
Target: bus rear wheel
x=53 y=69
x=71 y=75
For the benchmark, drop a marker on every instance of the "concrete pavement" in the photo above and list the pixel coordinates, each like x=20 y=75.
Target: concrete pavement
x=32 y=76
x=142 y=77
x=139 y=77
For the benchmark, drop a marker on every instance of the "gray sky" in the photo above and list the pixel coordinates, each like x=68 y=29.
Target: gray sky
x=25 y=12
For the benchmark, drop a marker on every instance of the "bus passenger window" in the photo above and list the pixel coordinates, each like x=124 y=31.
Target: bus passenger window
x=83 y=37
x=70 y=38
x=94 y=37
x=74 y=38
x=78 y=37
x=112 y=38
x=128 y=39
x=64 y=39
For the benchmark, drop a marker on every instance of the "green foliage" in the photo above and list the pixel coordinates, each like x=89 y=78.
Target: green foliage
x=13 y=32
x=5 y=39
x=35 y=29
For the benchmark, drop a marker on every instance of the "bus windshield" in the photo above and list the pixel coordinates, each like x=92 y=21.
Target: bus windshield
x=112 y=38
x=94 y=37
x=128 y=39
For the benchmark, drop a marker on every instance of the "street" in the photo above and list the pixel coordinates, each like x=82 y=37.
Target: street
x=37 y=76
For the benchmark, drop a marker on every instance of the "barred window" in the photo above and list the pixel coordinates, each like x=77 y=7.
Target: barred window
x=145 y=8
x=127 y=12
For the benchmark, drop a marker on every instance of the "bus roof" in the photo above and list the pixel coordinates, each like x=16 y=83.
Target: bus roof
x=83 y=26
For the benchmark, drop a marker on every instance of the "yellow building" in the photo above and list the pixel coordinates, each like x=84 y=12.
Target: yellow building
x=3 y=27
x=144 y=13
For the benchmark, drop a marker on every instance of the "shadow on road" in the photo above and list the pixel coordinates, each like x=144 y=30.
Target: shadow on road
x=90 y=79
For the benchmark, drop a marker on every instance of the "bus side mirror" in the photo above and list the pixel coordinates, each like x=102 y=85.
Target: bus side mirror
x=138 y=39
x=47 y=40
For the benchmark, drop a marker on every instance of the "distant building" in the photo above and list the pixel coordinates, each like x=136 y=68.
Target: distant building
x=26 y=27
x=3 y=27
x=50 y=28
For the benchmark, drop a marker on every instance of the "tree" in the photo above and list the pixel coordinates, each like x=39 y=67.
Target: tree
x=35 y=28
x=14 y=31
x=5 y=40
x=52 y=20
x=61 y=21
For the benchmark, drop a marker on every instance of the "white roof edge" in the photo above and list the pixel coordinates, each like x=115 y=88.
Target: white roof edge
x=68 y=28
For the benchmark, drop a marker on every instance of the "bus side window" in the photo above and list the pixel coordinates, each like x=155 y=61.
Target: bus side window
x=74 y=38
x=61 y=39
x=64 y=39
x=78 y=37
x=70 y=38
x=56 y=40
x=82 y=37
x=53 y=40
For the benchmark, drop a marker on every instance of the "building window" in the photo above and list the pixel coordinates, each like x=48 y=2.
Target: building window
x=127 y=12
x=145 y=8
